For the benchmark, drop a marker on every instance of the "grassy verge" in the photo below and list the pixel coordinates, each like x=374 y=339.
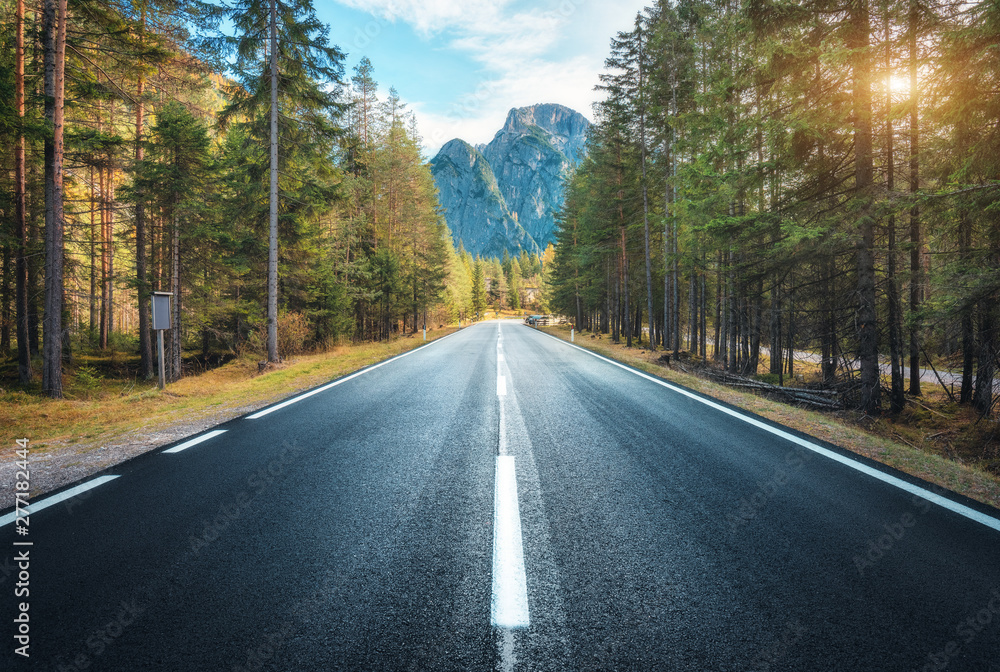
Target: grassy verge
x=877 y=440
x=113 y=412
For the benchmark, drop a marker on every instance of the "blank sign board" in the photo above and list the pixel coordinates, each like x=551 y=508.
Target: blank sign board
x=161 y=310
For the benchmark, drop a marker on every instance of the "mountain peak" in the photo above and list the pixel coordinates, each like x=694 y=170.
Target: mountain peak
x=567 y=127
x=549 y=116
x=504 y=195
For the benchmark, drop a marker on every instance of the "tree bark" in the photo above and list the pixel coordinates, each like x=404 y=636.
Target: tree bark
x=716 y=349
x=756 y=308
x=703 y=308
x=732 y=322
x=176 y=372
x=774 y=341
x=693 y=311
x=860 y=31
x=645 y=197
x=272 y=248
x=916 y=275
x=666 y=255
x=5 y=298
x=897 y=399
x=675 y=279
x=141 y=273
x=24 y=369
x=105 y=257
x=982 y=399
x=94 y=312
x=54 y=40
x=967 y=321
x=109 y=205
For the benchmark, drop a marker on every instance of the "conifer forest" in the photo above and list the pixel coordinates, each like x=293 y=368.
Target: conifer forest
x=798 y=177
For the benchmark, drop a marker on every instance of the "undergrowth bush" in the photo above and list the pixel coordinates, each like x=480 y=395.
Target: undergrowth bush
x=293 y=335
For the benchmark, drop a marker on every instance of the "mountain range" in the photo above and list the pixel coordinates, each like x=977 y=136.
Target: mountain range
x=504 y=195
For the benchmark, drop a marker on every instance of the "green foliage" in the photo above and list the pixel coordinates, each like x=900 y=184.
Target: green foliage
x=478 y=289
x=88 y=378
x=754 y=122
x=363 y=249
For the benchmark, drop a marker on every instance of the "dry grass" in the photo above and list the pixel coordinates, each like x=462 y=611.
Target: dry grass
x=114 y=411
x=878 y=440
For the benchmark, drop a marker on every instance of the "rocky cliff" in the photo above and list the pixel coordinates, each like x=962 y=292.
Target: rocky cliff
x=504 y=195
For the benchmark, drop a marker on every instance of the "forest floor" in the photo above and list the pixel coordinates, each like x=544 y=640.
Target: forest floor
x=108 y=416
x=933 y=438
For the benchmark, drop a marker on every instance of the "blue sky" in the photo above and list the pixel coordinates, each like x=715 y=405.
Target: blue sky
x=460 y=65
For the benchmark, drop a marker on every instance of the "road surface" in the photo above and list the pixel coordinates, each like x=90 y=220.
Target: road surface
x=502 y=500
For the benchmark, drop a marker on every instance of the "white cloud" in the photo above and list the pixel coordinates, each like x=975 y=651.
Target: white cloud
x=477 y=116
x=432 y=16
x=526 y=54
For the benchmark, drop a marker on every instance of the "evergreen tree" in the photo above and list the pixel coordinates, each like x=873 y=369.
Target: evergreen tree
x=478 y=290
x=282 y=64
x=174 y=178
x=514 y=285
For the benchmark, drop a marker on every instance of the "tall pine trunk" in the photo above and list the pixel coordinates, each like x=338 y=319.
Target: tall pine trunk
x=989 y=330
x=916 y=275
x=5 y=298
x=867 y=332
x=896 y=398
x=777 y=365
x=105 y=259
x=54 y=40
x=667 y=313
x=94 y=313
x=174 y=356
x=967 y=320
x=645 y=198
x=142 y=279
x=982 y=399
x=109 y=205
x=24 y=370
x=734 y=322
x=272 y=249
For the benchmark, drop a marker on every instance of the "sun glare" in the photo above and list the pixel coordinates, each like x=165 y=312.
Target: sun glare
x=899 y=84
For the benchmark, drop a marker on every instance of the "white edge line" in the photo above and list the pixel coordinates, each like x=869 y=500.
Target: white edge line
x=923 y=493
x=509 y=604
x=35 y=507
x=324 y=388
x=195 y=441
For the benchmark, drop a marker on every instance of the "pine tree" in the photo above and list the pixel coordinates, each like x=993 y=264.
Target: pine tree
x=478 y=290
x=56 y=17
x=25 y=372
x=175 y=178
x=282 y=61
x=514 y=285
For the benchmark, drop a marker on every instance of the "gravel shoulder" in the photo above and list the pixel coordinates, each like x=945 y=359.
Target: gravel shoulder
x=63 y=463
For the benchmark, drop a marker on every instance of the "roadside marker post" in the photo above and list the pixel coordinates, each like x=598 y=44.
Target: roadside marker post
x=571 y=338
x=161 y=321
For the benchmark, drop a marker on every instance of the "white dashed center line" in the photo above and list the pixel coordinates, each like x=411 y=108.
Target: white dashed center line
x=509 y=603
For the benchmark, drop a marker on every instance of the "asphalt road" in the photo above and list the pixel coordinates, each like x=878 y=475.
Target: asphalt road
x=501 y=500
